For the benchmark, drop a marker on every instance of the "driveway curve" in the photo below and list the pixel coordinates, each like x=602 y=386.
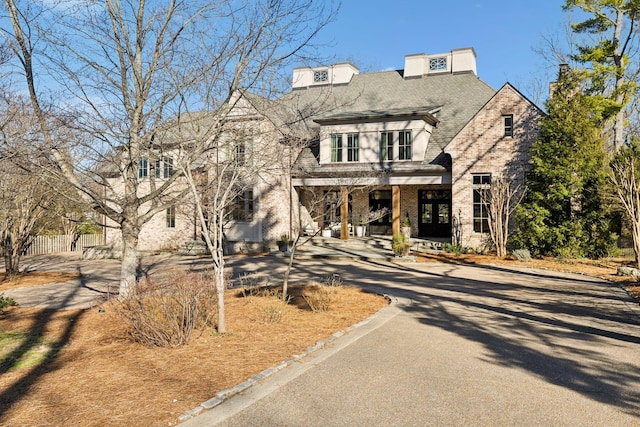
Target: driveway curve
x=461 y=345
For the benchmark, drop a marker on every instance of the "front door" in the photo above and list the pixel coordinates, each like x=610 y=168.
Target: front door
x=380 y=199
x=434 y=213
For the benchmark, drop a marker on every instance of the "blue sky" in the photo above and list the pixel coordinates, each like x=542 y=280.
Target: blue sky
x=376 y=34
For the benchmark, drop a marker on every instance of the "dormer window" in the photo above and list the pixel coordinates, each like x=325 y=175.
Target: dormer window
x=320 y=76
x=336 y=148
x=438 y=64
x=404 y=145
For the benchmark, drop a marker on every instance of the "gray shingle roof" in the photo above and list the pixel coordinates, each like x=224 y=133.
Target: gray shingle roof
x=459 y=97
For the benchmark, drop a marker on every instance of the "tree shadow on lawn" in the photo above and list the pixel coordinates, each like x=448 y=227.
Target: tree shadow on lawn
x=31 y=375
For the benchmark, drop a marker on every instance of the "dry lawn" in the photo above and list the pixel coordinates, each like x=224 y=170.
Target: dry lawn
x=96 y=376
x=34 y=278
x=603 y=268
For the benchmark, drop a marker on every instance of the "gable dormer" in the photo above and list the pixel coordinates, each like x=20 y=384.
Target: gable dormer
x=333 y=75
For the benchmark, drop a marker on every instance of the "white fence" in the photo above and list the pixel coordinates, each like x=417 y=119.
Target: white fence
x=56 y=244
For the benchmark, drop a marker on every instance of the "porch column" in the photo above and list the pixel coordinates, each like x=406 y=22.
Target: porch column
x=395 y=209
x=344 y=214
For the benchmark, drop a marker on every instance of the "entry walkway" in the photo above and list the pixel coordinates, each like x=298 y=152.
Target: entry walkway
x=360 y=248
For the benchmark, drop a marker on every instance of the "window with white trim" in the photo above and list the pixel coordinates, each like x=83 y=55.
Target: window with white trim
x=242 y=207
x=171 y=217
x=481 y=188
x=336 y=147
x=404 y=145
x=143 y=168
x=507 y=120
x=353 y=150
x=386 y=146
x=164 y=167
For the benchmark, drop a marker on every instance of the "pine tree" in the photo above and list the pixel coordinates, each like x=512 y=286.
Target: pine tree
x=563 y=212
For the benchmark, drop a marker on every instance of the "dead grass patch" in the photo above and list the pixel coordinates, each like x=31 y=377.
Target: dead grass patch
x=34 y=278
x=100 y=378
x=602 y=268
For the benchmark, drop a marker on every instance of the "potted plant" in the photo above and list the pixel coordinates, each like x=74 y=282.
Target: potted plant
x=405 y=228
x=361 y=227
x=285 y=243
x=370 y=216
x=400 y=245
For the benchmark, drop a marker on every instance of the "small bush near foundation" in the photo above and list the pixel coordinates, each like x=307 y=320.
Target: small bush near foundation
x=400 y=245
x=453 y=249
x=522 y=255
x=165 y=312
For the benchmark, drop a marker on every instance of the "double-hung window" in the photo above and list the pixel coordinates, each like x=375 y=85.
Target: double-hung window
x=481 y=188
x=508 y=124
x=143 y=168
x=240 y=152
x=336 y=147
x=242 y=208
x=164 y=167
x=171 y=217
x=386 y=146
x=404 y=145
x=353 y=151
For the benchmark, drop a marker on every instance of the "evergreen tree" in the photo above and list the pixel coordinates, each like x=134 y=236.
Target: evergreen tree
x=563 y=212
x=606 y=45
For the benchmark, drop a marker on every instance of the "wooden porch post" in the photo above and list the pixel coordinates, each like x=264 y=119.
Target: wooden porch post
x=395 y=209
x=344 y=214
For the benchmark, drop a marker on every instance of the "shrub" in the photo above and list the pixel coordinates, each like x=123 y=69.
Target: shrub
x=454 y=249
x=6 y=302
x=272 y=311
x=333 y=280
x=522 y=255
x=400 y=245
x=320 y=299
x=251 y=284
x=164 y=313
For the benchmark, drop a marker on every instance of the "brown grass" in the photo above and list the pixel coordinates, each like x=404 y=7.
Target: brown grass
x=34 y=278
x=99 y=377
x=604 y=268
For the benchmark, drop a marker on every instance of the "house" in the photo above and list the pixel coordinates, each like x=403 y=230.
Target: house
x=422 y=142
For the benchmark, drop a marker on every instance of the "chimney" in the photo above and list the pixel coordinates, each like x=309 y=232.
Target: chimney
x=563 y=70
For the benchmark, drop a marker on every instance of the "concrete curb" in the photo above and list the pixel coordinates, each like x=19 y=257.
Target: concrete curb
x=224 y=395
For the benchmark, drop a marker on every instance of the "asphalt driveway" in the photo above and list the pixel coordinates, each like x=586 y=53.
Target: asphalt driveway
x=462 y=345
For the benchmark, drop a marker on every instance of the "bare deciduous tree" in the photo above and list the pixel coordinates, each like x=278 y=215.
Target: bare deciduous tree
x=625 y=177
x=501 y=200
x=128 y=70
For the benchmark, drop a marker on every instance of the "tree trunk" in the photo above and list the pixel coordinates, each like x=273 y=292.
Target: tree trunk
x=11 y=256
x=129 y=267
x=220 y=288
x=636 y=240
x=285 y=278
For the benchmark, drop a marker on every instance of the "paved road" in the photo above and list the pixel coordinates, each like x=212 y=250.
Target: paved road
x=463 y=345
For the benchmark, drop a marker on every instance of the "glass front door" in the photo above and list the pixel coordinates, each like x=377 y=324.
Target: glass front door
x=434 y=213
